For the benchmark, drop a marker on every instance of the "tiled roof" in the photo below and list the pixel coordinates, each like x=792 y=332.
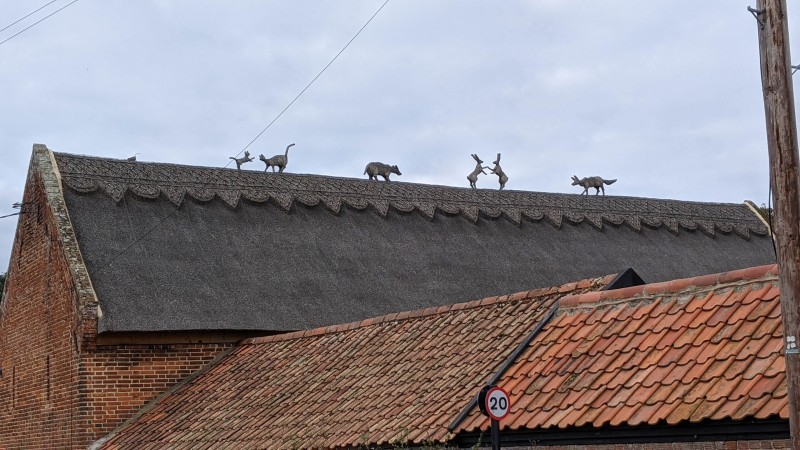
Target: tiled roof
x=692 y=350
x=708 y=348
x=401 y=377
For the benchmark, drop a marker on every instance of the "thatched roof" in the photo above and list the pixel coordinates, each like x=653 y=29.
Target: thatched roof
x=172 y=247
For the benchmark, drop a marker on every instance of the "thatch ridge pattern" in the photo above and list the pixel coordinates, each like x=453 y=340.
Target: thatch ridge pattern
x=176 y=182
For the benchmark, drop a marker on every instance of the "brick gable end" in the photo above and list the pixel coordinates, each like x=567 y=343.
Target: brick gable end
x=59 y=388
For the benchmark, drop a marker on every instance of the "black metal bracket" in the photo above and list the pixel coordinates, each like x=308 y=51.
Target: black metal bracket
x=23 y=207
x=26 y=207
x=757 y=14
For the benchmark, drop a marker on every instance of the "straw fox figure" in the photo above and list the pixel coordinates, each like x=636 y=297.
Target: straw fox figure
x=374 y=169
x=591 y=182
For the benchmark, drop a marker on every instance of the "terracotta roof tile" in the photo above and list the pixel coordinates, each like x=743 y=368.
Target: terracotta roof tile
x=363 y=383
x=688 y=350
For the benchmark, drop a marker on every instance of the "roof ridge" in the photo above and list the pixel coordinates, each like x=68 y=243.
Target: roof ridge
x=175 y=182
x=44 y=162
x=432 y=311
x=645 y=291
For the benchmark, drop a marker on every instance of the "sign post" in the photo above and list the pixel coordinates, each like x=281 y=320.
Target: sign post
x=494 y=402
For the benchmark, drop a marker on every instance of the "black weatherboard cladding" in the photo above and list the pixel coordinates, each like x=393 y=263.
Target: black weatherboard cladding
x=254 y=251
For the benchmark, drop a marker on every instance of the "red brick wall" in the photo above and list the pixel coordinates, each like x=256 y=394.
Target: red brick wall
x=120 y=379
x=38 y=340
x=59 y=389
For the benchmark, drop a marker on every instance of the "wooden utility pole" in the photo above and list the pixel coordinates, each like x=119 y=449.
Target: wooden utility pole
x=776 y=78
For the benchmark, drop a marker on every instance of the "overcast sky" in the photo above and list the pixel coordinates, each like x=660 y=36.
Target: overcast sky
x=663 y=95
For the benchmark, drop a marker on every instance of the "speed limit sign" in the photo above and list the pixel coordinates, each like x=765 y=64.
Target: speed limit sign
x=497 y=403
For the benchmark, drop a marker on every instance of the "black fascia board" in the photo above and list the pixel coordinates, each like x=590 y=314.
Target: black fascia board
x=706 y=431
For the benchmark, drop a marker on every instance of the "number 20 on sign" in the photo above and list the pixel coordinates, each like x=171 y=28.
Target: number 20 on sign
x=497 y=403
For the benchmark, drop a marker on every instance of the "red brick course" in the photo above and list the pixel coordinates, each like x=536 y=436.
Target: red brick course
x=58 y=388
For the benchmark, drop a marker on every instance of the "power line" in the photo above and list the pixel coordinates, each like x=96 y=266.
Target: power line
x=160 y=222
x=35 y=23
x=25 y=17
x=315 y=79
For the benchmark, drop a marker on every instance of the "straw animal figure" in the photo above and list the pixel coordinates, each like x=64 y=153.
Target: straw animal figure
x=591 y=182
x=279 y=161
x=473 y=177
x=239 y=161
x=497 y=170
x=374 y=169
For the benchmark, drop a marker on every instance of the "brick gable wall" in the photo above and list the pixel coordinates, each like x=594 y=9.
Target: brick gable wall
x=58 y=388
x=39 y=333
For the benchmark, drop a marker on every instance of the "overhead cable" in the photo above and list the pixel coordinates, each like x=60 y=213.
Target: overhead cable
x=313 y=80
x=111 y=260
x=34 y=23
x=28 y=15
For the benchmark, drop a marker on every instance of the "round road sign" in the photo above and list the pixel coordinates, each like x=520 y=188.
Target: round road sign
x=497 y=403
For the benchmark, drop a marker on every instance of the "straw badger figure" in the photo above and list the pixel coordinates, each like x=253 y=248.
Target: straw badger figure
x=279 y=161
x=497 y=170
x=239 y=161
x=374 y=169
x=473 y=177
x=595 y=182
